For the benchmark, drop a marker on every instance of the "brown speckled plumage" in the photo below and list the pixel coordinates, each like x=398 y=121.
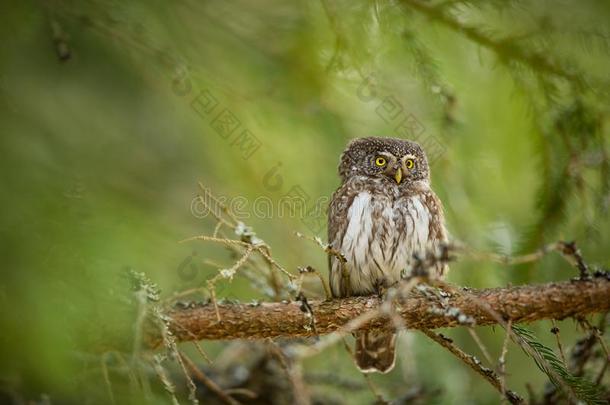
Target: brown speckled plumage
x=379 y=218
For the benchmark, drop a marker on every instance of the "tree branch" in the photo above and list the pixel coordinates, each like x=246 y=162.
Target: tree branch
x=504 y=49
x=191 y=321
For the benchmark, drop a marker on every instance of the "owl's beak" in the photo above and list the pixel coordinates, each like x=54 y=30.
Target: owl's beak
x=398 y=175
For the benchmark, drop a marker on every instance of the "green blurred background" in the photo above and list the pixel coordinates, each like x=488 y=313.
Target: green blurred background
x=104 y=138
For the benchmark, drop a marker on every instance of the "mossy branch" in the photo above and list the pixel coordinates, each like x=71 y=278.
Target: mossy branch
x=192 y=321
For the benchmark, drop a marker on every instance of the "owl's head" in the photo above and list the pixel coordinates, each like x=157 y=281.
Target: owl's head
x=395 y=160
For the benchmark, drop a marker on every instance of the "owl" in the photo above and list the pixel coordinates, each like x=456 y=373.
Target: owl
x=383 y=214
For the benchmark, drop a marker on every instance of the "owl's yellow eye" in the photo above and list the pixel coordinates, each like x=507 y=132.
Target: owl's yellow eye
x=409 y=163
x=380 y=161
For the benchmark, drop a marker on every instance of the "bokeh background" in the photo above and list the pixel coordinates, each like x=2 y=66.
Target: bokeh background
x=109 y=119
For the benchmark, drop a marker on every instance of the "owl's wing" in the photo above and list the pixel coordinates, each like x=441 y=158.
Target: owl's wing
x=437 y=233
x=337 y=225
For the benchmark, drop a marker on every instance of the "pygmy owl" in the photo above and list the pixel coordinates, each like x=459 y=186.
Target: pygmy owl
x=383 y=214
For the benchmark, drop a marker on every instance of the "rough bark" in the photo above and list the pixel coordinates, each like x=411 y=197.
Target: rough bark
x=418 y=311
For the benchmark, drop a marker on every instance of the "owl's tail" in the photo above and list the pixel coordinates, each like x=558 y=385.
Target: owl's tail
x=375 y=351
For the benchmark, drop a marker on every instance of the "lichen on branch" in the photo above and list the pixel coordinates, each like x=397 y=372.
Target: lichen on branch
x=418 y=310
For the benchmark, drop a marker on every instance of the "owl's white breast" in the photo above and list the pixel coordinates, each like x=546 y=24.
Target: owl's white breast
x=381 y=237
x=360 y=223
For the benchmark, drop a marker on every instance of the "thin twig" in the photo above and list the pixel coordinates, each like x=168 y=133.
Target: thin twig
x=292 y=370
x=479 y=343
x=120 y=358
x=555 y=331
x=165 y=381
x=310 y=270
x=331 y=252
x=241 y=391
x=600 y=376
x=217 y=229
x=516 y=338
x=182 y=361
x=224 y=208
x=502 y=360
x=488 y=374
x=107 y=382
x=202 y=352
x=205 y=380
x=568 y=251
